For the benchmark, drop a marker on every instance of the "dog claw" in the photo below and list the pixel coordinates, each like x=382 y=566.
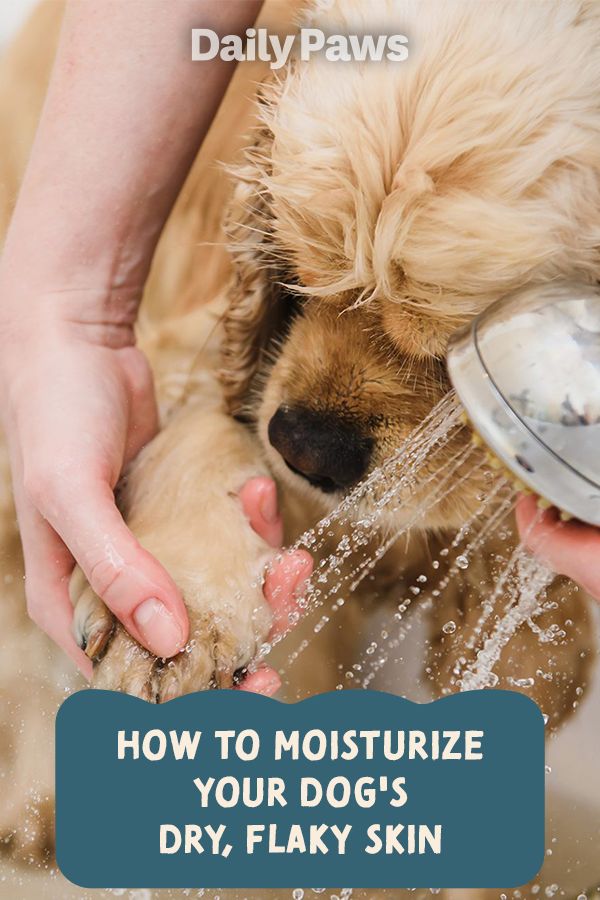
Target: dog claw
x=97 y=639
x=93 y=625
x=224 y=679
x=169 y=687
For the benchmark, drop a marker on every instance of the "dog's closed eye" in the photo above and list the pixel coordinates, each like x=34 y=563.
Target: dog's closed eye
x=287 y=305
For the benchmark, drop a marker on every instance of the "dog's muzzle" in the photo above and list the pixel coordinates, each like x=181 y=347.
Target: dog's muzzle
x=329 y=452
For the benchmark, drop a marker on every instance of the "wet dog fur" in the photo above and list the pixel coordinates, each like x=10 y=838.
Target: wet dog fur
x=373 y=210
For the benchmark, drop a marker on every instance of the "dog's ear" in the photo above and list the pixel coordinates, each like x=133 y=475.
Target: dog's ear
x=255 y=311
x=250 y=300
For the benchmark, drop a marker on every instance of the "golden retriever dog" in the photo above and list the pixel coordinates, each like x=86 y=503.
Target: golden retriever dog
x=371 y=209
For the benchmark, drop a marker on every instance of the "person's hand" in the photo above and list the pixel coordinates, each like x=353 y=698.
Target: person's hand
x=77 y=404
x=284 y=582
x=76 y=397
x=569 y=548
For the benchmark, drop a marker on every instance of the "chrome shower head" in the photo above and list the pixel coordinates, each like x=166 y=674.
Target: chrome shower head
x=527 y=372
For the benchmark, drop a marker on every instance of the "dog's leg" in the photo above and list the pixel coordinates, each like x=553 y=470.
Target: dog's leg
x=180 y=500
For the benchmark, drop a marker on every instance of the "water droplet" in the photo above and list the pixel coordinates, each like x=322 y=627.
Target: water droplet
x=523 y=682
x=297 y=894
x=449 y=627
x=462 y=562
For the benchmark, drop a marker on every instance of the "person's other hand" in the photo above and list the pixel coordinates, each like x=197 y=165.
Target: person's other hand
x=569 y=548
x=284 y=582
x=78 y=403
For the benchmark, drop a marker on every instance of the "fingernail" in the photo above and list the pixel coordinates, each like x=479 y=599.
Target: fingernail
x=158 y=629
x=268 y=503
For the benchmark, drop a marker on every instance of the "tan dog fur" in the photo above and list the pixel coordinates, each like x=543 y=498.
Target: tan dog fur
x=398 y=200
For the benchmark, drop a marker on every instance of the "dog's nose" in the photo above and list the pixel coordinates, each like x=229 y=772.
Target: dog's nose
x=330 y=453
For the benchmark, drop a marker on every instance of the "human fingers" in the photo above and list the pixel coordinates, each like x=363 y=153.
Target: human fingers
x=264 y=681
x=570 y=548
x=132 y=583
x=259 y=502
x=48 y=567
x=284 y=586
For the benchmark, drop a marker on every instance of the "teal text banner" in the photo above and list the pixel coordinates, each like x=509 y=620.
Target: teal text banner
x=230 y=789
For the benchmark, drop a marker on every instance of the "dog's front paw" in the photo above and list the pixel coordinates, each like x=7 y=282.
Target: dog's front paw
x=227 y=628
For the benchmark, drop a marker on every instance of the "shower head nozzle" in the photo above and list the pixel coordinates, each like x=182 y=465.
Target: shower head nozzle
x=527 y=372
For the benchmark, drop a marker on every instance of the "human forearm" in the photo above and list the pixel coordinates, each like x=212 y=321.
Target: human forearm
x=125 y=112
